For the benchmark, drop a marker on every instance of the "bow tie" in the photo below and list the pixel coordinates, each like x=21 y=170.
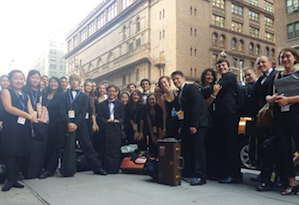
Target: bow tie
x=75 y=90
x=112 y=101
x=145 y=94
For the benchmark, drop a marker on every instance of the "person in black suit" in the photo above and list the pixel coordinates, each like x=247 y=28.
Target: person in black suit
x=196 y=120
x=227 y=121
x=73 y=109
x=111 y=116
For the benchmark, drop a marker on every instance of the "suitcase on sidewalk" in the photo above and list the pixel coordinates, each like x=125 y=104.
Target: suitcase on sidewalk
x=170 y=162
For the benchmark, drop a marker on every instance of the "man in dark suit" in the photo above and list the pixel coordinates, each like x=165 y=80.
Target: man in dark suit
x=111 y=116
x=196 y=120
x=73 y=112
x=227 y=121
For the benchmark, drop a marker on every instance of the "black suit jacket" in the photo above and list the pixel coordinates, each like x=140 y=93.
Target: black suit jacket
x=104 y=115
x=194 y=107
x=80 y=106
x=227 y=98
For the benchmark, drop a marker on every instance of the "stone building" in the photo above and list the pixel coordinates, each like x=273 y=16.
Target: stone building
x=124 y=41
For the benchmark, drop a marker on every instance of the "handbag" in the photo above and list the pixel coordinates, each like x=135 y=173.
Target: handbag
x=265 y=114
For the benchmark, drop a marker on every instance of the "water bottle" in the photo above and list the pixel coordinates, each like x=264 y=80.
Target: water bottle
x=173 y=112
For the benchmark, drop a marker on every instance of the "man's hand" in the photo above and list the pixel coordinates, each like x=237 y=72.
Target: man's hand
x=72 y=127
x=193 y=130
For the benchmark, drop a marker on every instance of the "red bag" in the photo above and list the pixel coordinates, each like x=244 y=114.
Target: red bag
x=133 y=165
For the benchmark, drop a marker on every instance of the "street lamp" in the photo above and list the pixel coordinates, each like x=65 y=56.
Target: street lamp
x=223 y=54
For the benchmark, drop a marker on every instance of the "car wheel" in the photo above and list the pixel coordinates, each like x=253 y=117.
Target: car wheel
x=244 y=155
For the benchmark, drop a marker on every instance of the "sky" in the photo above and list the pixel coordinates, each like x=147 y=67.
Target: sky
x=26 y=23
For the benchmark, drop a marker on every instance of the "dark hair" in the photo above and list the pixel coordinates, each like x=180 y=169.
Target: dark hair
x=124 y=93
x=11 y=73
x=28 y=84
x=147 y=105
x=91 y=95
x=59 y=89
x=42 y=76
x=143 y=80
x=2 y=76
x=132 y=104
x=177 y=73
x=291 y=50
x=221 y=60
x=105 y=81
x=63 y=77
x=131 y=84
x=112 y=86
x=205 y=72
x=166 y=77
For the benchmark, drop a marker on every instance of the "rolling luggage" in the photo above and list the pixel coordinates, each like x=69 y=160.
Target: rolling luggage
x=170 y=162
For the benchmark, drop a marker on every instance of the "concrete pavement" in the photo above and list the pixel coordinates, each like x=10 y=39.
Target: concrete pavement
x=87 y=189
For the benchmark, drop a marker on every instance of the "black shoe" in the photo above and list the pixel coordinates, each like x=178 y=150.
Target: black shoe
x=264 y=187
x=290 y=190
x=257 y=179
x=18 y=185
x=198 y=181
x=101 y=172
x=45 y=174
x=7 y=186
x=230 y=180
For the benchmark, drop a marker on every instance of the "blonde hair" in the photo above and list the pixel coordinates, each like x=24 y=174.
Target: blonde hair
x=75 y=76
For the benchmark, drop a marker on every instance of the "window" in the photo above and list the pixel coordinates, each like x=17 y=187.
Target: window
x=61 y=60
x=241 y=46
x=91 y=28
x=234 y=44
x=238 y=27
x=235 y=62
x=130 y=46
x=75 y=41
x=253 y=16
x=191 y=51
x=112 y=11
x=267 y=51
x=194 y=32
x=251 y=48
x=70 y=45
x=237 y=9
x=101 y=20
x=272 y=53
x=291 y=4
x=83 y=34
x=125 y=32
x=163 y=34
x=269 y=21
x=268 y=6
x=257 y=50
x=218 y=21
x=190 y=72
x=138 y=25
x=253 y=2
x=53 y=66
x=222 y=41
x=269 y=37
x=160 y=35
x=191 y=31
x=52 y=58
x=194 y=12
x=138 y=42
x=53 y=51
x=61 y=67
x=218 y=3
x=214 y=58
x=127 y=3
x=215 y=40
x=254 y=32
x=195 y=52
x=191 y=10
x=293 y=30
x=53 y=44
x=163 y=13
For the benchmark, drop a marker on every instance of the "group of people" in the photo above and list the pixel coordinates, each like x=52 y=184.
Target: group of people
x=204 y=117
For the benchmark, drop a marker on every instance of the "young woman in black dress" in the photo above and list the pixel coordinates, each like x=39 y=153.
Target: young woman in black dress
x=16 y=127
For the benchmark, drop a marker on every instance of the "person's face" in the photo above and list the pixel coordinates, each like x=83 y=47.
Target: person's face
x=249 y=76
x=178 y=80
x=4 y=83
x=222 y=68
x=53 y=84
x=74 y=83
x=263 y=64
x=46 y=79
x=124 y=98
x=164 y=84
x=81 y=87
x=131 y=88
x=42 y=85
x=112 y=92
x=94 y=85
x=287 y=59
x=145 y=86
x=102 y=89
x=63 y=83
x=88 y=87
x=34 y=80
x=17 y=81
x=209 y=78
x=106 y=84
x=135 y=97
x=151 y=100
x=158 y=92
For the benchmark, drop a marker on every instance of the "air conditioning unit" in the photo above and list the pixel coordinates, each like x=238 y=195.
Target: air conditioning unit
x=295 y=8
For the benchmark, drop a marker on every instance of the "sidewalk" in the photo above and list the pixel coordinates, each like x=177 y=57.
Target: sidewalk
x=86 y=188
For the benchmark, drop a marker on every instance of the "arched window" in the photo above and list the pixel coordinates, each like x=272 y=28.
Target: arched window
x=110 y=57
x=138 y=24
x=251 y=48
x=215 y=39
x=267 y=51
x=137 y=74
x=273 y=53
x=257 y=50
x=89 y=67
x=190 y=72
x=241 y=46
x=234 y=44
x=222 y=41
x=99 y=62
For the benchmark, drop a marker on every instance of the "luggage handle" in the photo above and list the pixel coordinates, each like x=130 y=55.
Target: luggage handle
x=182 y=163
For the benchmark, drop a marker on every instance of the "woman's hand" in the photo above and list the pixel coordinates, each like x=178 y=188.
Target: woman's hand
x=216 y=89
x=95 y=128
x=136 y=135
x=281 y=100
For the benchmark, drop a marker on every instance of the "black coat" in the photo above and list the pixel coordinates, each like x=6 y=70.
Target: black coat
x=104 y=115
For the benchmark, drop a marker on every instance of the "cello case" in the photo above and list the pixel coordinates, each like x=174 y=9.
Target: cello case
x=68 y=156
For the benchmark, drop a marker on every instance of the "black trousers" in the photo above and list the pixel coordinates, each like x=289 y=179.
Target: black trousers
x=86 y=145
x=227 y=140
x=194 y=153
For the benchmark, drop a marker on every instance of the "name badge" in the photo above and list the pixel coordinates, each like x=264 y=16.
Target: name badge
x=21 y=120
x=87 y=116
x=135 y=127
x=181 y=115
x=155 y=129
x=285 y=108
x=71 y=113
x=214 y=107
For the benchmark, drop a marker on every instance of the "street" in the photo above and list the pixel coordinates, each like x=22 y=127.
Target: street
x=86 y=188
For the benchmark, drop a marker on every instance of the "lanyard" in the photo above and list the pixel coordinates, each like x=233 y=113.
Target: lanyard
x=34 y=98
x=72 y=100
x=49 y=99
x=21 y=102
x=282 y=74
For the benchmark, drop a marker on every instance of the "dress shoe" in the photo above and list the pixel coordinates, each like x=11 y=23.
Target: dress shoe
x=45 y=174
x=18 y=185
x=101 y=172
x=264 y=187
x=230 y=180
x=198 y=181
